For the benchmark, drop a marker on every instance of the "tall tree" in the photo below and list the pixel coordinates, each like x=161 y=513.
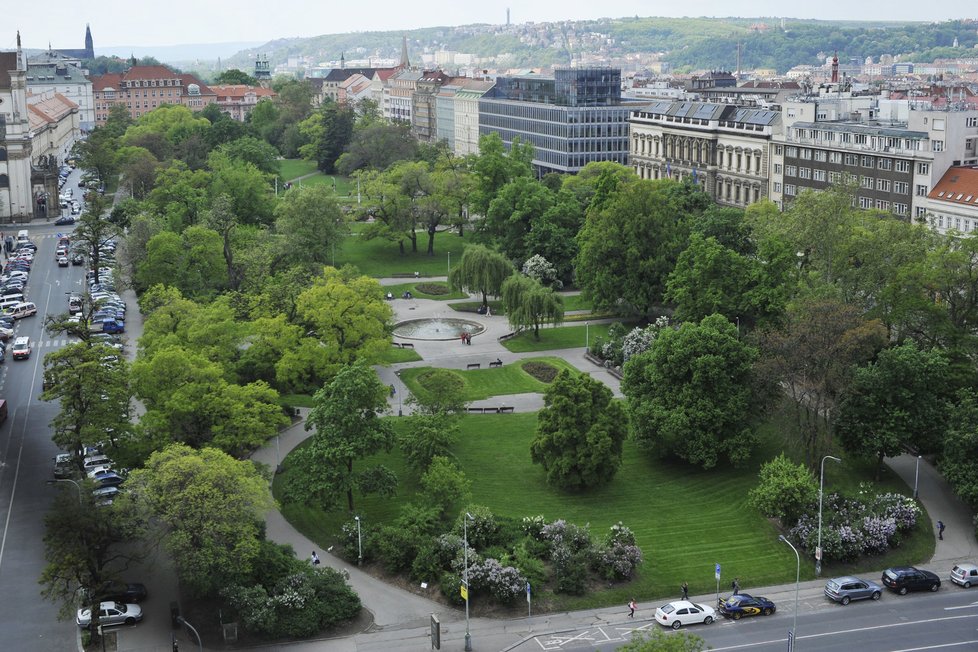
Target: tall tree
x=580 y=432
x=480 y=270
x=92 y=232
x=900 y=399
x=494 y=167
x=512 y=214
x=957 y=460
x=377 y=146
x=691 y=394
x=328 y=132
x=347 y=418
x=811 y=357
x=530 y=305
x=213 y=507
x=629 y=246
x=308 y=225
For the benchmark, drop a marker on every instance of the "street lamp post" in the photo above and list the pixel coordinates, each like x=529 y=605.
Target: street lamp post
x=183 y=622
x=449 y=263
x=916 y=478
x=359 y=542
x=465 y=554
x=794 y=624
x=821 y=485
x=587 y=336
x=77 y=486
x=399 y=412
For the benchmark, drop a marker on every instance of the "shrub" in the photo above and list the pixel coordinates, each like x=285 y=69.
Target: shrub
x=483 y=530
x=396 y=547
x=785 y=490
x=433 y=289
x=618 y=558
x=440 y=379
x=451 y=585
x=503 y=583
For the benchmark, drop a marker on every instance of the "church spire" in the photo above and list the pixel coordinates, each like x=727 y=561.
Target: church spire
x=89 y=44
x=404 y=57
x=20 y=54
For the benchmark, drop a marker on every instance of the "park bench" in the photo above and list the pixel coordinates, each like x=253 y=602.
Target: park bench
x=407 y=345
x=476 y=410
x=496 y=363
x=474 y=365
x=506 y=410
x=397 y=344
x=507 y=336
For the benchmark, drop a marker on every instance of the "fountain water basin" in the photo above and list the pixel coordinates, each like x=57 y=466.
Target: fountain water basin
x=437 y=328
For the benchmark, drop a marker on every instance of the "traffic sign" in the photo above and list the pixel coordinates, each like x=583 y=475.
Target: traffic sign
x=464 y=590
x=717 y=571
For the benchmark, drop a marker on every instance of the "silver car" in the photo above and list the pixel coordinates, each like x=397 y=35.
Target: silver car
x=965 y=574
x=111 y=613
x=846 y=589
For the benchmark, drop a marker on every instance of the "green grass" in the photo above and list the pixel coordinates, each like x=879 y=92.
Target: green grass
x=381 y=258
x=577 y=302
x=293 y=168
x=473 y=306
x=685 y=519
x=480 y=384
x=562 y=337
x=412 y=287
x=296 y=400
x=394 y=355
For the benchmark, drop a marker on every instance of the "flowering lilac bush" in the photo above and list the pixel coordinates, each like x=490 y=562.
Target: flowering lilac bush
x=851 y=527
x=504 y=583
x=639 y=340
x=618 y=561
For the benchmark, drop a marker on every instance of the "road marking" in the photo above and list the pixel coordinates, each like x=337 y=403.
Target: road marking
x=967 y=606
x=937 y=647
x=849 y=631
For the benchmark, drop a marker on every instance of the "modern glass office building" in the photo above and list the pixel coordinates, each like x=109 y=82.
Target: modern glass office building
x=573 y=118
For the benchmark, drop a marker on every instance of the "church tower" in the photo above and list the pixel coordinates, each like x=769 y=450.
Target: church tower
x=89 y=44
x=405 y=64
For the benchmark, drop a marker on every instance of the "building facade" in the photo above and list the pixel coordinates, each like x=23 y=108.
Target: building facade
x=238 y=100
x=55 y=73
x=143 y=88
x=398 y=93
x=571 y=119
x=952 y=206
x=423 y=105
x=724 y=148
x=892 y=151
x=466 y=120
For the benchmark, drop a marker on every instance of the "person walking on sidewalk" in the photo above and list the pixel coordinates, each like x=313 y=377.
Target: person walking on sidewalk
x=940 y=530
x=685 y=588
x=735 y=585
x=631 y=608
x=314 y=558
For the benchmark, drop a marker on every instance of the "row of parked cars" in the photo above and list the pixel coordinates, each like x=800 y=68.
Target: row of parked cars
x=13 y=301
x=899 y=579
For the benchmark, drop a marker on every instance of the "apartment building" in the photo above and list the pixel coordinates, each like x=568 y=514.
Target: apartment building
x=423 y=105
x=52 y=72
x=894 y=151
x=238 y=100
x=953 y=203
x=143 y=88
x=466 y=115
x=724 y=148
x=571 y=119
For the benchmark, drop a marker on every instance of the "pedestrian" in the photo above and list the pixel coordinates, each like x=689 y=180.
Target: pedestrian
x=314 y=559
x=631 y=608
x=940 y=530
x=463 y=337
x=393 y=391
x=488 y=311
x=735 y=585
x=685 y=588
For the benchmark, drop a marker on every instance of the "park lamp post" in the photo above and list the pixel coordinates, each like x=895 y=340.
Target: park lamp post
x=821 y=485
x=359 y=542
x=465 y=580
x=77 y=486
x=587 y=336
x=916 y=478
x=400 y=413
x=794 y=624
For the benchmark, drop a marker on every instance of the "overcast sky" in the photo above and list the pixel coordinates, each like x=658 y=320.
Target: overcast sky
x=173 y=22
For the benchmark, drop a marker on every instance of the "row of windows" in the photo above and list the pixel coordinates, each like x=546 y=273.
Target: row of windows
x=880 y=143
x=958 y=224
x=851 y=159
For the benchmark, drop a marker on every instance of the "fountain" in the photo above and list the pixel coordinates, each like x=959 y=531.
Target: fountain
x=437 y=328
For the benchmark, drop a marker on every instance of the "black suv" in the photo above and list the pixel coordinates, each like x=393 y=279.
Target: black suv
x=907 y=578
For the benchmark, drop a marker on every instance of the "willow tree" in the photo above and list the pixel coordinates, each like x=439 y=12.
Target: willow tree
x=481 y=270
x=530 y=305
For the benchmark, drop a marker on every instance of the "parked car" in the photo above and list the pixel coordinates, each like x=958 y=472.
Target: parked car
x=111 y=613
x=682 y=612
x=742 y=604
x=965 y=574
x=62 y=466
x=78 y=259
x=846 y=589
x=907 y=578
x=108 y=479
x=65 y=220
x=127 y=592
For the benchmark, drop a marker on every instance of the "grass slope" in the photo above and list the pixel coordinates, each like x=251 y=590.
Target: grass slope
x=480 y=384
x=381 y=258
x=562 y=337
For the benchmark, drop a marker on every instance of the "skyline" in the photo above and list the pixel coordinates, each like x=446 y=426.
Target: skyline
x=250 y=20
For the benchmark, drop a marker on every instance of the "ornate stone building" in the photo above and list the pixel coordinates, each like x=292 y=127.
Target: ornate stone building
x=724 y=148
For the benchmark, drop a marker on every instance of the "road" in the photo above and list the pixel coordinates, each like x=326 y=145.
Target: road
x=947 y=620
x=26 y=453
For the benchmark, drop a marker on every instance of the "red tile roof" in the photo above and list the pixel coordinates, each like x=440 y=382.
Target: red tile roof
x=958 y=186
x=240 y=90
x=108 y=80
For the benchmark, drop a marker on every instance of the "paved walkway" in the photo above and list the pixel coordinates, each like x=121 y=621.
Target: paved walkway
x=401 y=618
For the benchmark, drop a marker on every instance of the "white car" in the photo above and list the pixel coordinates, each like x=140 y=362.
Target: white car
x=22 y=348
x=965 y=574
x=682 y=612
x=111 y=613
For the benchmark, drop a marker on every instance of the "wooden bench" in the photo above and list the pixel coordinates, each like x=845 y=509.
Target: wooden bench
x=506 y=410
x=397 y=344
x=507 y=336
x=474 y=365
x=407 y=345
x=496 y=363
x=476 y=410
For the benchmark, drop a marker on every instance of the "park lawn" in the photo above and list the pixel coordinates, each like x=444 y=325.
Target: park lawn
x=341 y=185
x=292 y=168
x=561 y=337
x=576 y=302
x=685 y=519
x=480 y=384
x=495 y=306
x=296 y=400
x=395 y=355
x=412 y=287
x=381 y=258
